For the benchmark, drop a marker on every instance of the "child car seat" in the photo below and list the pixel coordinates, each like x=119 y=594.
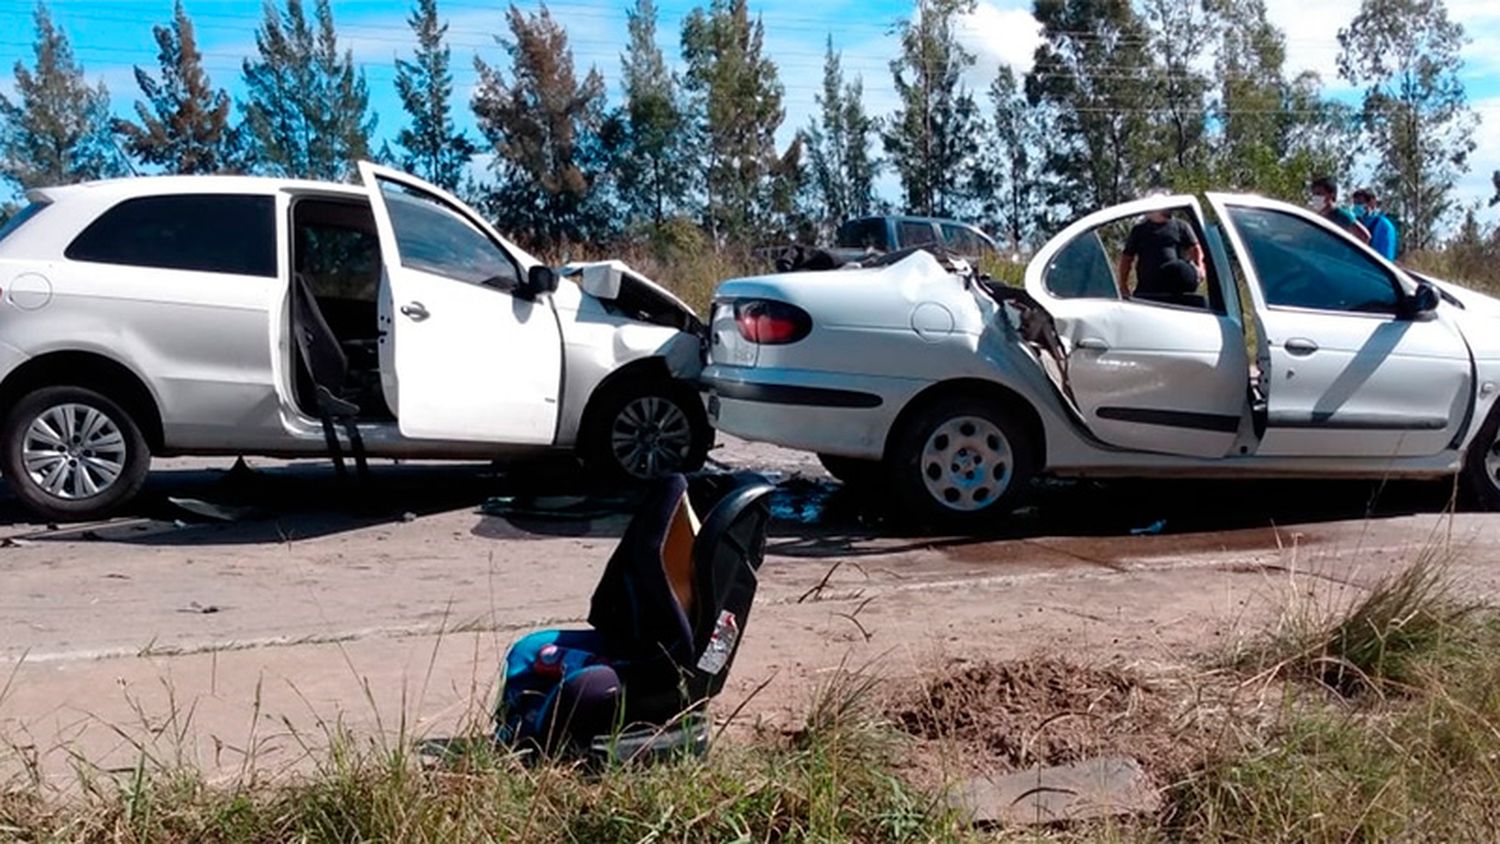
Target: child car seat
x=666 y=620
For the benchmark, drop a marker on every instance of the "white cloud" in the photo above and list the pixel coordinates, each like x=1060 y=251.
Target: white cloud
x=999 y=36
x=1312 y=35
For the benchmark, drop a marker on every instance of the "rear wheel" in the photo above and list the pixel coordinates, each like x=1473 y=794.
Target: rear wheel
x=961 y=462
x=645 y=428
x=72 y=454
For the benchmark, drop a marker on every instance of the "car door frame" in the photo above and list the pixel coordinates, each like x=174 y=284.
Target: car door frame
x=371 y=175
x=1224 y=432
x=1320 y=437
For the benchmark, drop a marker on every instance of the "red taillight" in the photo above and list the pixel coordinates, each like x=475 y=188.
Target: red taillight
x=771 y=323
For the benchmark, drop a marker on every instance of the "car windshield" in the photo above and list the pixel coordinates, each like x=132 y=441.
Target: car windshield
x=20 y=217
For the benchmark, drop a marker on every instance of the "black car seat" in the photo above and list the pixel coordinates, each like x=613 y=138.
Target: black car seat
x=326 y=365
x=666 y=621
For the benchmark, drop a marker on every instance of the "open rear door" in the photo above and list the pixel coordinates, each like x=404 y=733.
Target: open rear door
x=465 y=356
x=1166 y=375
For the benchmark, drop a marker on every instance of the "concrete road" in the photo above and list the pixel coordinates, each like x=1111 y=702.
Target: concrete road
x=241 y=643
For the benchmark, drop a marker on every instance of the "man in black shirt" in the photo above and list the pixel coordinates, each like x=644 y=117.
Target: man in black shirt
x=1166 y=256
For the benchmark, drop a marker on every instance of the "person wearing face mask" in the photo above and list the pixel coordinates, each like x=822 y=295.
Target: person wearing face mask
x=1382 y=229
x=1325 y=201
x=1166 y=257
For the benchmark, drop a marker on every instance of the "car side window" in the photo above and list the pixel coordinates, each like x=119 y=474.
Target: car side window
x=434 y=238
x=212 y=233
x=1158 y=254
x=915 y=233
x=962 y=240
x=1301 y=265
x=1082 y=270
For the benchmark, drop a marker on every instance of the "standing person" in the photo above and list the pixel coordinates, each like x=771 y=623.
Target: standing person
x=1382 y=228
x=1166 y=257
x=1325 y=201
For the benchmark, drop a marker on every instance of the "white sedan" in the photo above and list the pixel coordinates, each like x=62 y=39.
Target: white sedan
x=1303 y=354
x=231 y=315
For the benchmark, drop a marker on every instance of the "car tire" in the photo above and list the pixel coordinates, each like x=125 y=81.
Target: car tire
x=852 y=471
x=1481 y=475
x=642 y=428
x=102 y=458
x=960 y=463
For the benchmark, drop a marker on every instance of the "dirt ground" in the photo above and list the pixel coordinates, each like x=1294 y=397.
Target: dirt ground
x=242 y=643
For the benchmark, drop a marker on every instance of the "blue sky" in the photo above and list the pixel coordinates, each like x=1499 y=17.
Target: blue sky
x=111 y=36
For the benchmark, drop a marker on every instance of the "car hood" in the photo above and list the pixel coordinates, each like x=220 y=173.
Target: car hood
x=623 y=289
x=868 y=297
x=1472 y=301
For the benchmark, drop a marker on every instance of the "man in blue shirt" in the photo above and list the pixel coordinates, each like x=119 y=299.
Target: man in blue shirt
x=1382 y=229
x=1325 y=201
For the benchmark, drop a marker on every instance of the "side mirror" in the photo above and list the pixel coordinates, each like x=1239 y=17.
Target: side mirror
x=1423 y=302
x=540 y=279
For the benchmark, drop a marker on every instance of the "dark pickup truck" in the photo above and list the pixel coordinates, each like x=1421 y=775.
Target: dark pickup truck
x=862 y=236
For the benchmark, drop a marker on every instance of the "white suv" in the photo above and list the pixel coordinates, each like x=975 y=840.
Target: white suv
x=230 y=315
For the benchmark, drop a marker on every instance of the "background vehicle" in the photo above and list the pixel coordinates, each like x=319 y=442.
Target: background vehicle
x=178 y=315
x=893 y=233
x=954 y=393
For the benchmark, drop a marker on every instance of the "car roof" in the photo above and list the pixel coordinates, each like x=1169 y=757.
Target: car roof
x=138 y=186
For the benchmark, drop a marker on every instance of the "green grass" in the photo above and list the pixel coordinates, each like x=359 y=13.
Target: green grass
x=830 y=780
x=1377 y=642
x=1373 y=719
x=1421 y=767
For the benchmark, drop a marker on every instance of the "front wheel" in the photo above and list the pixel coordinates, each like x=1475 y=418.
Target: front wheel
x=645 y=428
x=1482 y=466
x=961 y=463
x=72 y=454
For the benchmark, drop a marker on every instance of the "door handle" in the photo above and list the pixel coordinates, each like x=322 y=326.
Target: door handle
x=1093 y=344
x=1300 y=347
x=416 y=311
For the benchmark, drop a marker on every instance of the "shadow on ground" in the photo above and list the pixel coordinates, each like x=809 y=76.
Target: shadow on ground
x=814 y=517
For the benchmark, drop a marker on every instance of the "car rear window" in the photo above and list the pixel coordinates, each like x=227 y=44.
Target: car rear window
x=217 y=233
x=19 y=218
x=863 y=234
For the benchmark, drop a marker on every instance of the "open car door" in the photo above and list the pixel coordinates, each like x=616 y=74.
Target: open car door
x=1165 y=374
x=465 y=354
x=1354 y=365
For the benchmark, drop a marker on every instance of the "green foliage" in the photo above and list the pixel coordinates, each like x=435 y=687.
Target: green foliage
x=430 y=145
x=54 y=128
x=932 y=139
x=1181 y=35
x=652 y=157
x=1095 y=77
x=1407 y=55
x=838 y=143
x=307 y=107
x=183 y=124
x=736 y=97
x=1006 y=181
x=542 y=124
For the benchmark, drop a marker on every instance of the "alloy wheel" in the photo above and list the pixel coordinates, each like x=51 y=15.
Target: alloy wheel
x=74 y=451
x=967 y=463
x=651 y=435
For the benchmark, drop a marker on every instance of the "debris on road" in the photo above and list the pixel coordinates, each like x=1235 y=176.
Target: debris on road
x=216 y=512
x=1153 y=529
